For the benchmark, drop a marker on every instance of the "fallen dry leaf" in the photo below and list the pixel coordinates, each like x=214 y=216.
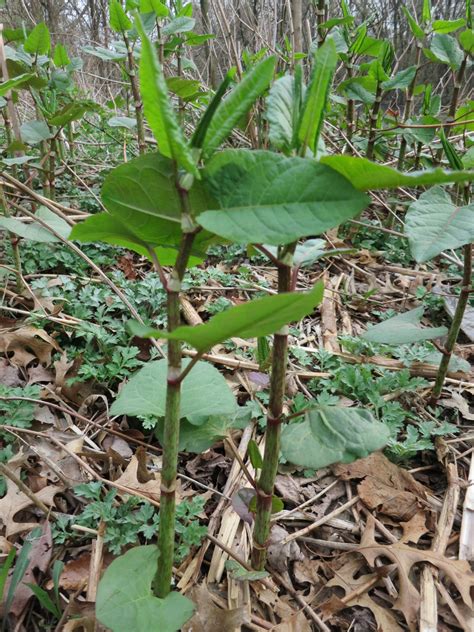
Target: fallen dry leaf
x=9 y=375
x=15 y=501
x=130 y=479
x=414 y=528
x=385 y=486
x=209 y=617
x=27 y=344
x=348 y=578
x=296 y=623
x=405 y=557
x=75 y=573
x=281 y=556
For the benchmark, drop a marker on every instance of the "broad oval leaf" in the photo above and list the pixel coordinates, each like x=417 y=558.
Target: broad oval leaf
x=403 y=329
x=446 y=49
x=14 y=83
x=370 y=176
x=158 y=109
x=38 y=41
x=125 y=601
x=149 y=233
x=34 y=132
x=433 y=224
x=33 y=231
x=204 y=393
x=332 y=434
x=270 y=199
x=146 y=185
x=254 y=319
x=401 y=80
x=236 y=104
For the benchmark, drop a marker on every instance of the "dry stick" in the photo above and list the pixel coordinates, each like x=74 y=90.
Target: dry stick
x=321 y=521
x=306 y=607
x=429 y=605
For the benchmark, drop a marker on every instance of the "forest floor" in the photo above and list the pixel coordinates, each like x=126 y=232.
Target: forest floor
x=371 y=545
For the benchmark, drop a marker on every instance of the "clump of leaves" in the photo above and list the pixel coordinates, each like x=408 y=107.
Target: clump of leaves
x=126 y=519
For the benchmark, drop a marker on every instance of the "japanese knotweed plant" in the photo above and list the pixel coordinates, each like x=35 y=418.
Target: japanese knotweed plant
x=170 y=206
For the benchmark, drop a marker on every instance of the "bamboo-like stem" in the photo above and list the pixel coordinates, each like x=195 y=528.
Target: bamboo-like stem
x=350 y=106
x=137 y=101
x=458 y=314
x=166 y=534
x=374 y=115
x=267 y=477
x=409 y=106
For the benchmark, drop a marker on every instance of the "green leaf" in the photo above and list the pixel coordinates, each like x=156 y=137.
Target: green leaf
x=146 y=185
x=126 y=122
x=239 y=573
x=161 y=10
x=260 y=317
x=35 y=232
x=44 y=599
x=309 y=252
x=179 y=25
x=141 y=196
x=125 y=601
x=468 y=158
x=448 y=26
x=16 y=82
x=34 y=132
x=446 y=49
x=434 y=224
x=5 y=569
x=261 y=204
x=60 y=56
x=280 y=113
x=426 y=11
x=466 y=39
x=118 y=20
x=332 y=434
x=369 y=176
x=314 y=105
x=360 y=89
x=184 y=88
x=198 y=439
x=158 y=109
x=38 y=41
x=255 y=457
x=70 y=112
x=139 y=236
x=203 y=125
x=236 y=104
x=401 y=80
x=403 y=329
x=204 y=393
x=414 y=26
